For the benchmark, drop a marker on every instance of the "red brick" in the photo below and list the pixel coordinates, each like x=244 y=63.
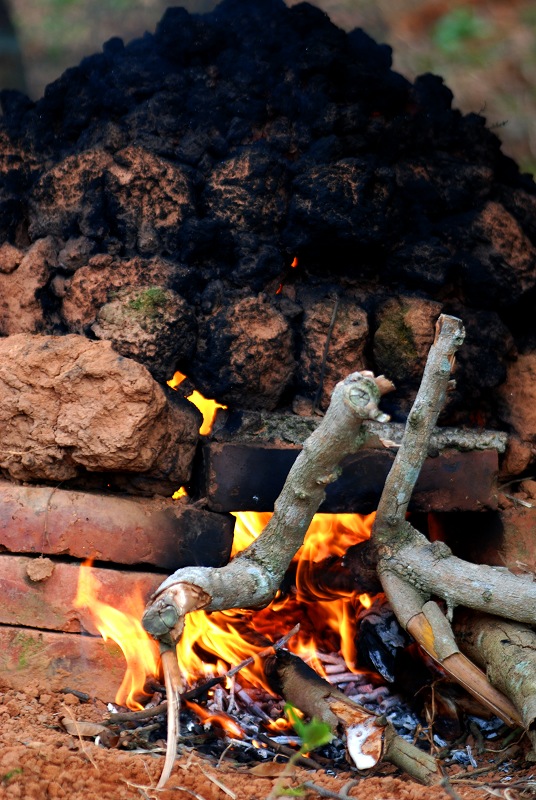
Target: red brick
x=241 y=477
x=49 y=603
x=499 y=538
x=52 y=661
x=125 y=530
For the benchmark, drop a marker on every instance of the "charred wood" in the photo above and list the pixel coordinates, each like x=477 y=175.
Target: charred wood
x=369 y=738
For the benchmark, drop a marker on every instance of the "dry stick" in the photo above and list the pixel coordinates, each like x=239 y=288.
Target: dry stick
x=369 y=737
x=252 y=578
x=507 y=651
x=411 y=568
x=284 y=750
x=199 y=690
x=147 y=713
x=321 y=792
x=137 y=716
x=174 y=685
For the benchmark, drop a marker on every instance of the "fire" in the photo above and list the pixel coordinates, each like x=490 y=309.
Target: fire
x=212 y=642
x=123 y=626
x=207 y=407
x=226 y=722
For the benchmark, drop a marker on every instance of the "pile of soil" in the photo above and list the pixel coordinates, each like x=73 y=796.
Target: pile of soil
x=265 y=136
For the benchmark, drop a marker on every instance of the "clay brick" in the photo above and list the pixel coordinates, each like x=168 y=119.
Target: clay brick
x=52 y=661
x=500 y=538
x=241 y=477
x=48 y=603
x=156 y=531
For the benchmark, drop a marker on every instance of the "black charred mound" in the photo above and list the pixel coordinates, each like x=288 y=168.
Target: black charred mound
x=255 y=134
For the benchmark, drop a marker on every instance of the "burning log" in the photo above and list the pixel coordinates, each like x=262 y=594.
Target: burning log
x=369 y=738
x=253 y=577
x=410 y=568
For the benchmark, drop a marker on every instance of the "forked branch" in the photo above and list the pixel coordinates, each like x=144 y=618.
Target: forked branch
x=410 y=568
x=253 y=577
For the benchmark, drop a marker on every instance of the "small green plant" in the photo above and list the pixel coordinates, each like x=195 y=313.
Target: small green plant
x=11 y=774
x=313 y=734
x=149 y=301
x=459 y=27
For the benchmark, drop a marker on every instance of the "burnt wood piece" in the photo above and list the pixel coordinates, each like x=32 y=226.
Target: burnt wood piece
x=240 y=477
x=156 y=531
x=40 y=593
x=55 y=660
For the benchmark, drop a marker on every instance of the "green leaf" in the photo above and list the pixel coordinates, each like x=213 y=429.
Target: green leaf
x=313 y=734
x=289 y=791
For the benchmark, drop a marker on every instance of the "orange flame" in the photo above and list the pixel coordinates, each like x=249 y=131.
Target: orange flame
x=123 y=626
x=207 y=407
x=212 y=642
x=226 y=722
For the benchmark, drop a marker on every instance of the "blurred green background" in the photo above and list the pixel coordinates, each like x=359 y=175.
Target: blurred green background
x=484 y=49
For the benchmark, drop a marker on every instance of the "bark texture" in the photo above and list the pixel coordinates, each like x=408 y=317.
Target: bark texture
x=252 y=578
x=507 y=651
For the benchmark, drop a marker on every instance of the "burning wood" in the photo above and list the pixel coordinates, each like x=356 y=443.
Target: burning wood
x=368 y=737
x=409 y=567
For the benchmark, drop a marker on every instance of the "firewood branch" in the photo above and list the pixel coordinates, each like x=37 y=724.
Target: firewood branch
x=369 y=738
x=412 y=569
x=430 y=568
x=253 y=577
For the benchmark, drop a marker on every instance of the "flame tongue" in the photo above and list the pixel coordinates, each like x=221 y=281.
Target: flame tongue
x=206 y=406
x=211 y=643
x=123 y=626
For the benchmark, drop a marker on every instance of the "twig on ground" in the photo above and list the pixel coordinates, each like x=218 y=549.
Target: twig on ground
x=82 y=696
x=82 y=743
x=282 y=749
x=450 y=790
x=137 y=716
x=218 y=783
x=314 y=787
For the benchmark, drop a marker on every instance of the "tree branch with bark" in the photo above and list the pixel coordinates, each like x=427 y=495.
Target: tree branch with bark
x=411 y=570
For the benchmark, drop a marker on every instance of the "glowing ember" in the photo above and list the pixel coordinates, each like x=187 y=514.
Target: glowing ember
x=231 y=728
x=208 y=408
x=123 y=626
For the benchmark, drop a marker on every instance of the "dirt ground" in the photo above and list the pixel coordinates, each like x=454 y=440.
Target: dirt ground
x=39 y=759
